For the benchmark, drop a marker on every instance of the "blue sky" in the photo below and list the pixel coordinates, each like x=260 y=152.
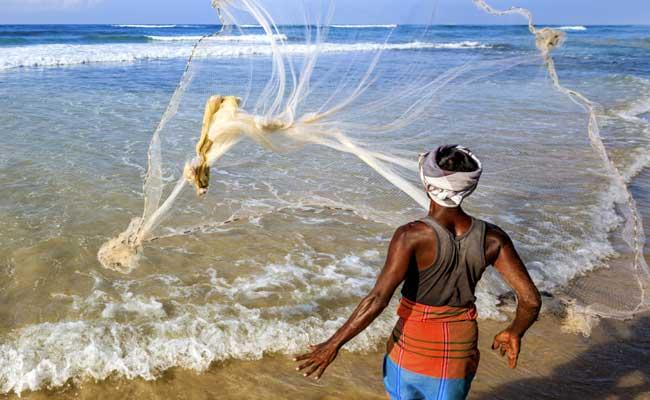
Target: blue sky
x=346 y=11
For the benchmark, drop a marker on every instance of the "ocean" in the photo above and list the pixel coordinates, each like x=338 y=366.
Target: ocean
x=80 y=102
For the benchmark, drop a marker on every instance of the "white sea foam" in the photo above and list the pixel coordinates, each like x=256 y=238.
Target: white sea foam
x=633 y=113
x=51 y=354
x=175 y=38
x=144 y=26
x=387 y=26
x=219 y=38
x=194 y=336
x=635 y=110
x=53 y=55
x=572 y=28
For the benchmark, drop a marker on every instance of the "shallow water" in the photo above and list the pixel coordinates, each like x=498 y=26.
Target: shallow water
x=73 y=153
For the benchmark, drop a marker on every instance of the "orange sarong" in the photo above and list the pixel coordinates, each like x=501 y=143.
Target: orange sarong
x=437 y=344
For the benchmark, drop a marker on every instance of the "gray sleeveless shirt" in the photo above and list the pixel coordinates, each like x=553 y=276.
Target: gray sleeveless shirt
x=451 y=280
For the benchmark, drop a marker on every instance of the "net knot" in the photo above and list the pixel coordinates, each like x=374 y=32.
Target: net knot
x=272 y=124
x=219 y=3
x=123 y=253
x=548 y=39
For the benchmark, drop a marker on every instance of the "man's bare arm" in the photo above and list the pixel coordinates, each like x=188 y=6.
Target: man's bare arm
x=506 y=260
x=394 y=271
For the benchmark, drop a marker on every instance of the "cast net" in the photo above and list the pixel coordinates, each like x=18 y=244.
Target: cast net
x=299 y=126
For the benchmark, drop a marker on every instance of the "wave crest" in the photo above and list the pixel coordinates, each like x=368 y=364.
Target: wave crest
x=572 y=28
x=56 y=55
x=226 y=38
x=144 y=26
x=387 y=26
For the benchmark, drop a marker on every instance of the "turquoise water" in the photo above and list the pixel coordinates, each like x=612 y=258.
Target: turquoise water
x=79 y=104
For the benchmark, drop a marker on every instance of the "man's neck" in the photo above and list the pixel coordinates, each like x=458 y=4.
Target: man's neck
x=447 y=215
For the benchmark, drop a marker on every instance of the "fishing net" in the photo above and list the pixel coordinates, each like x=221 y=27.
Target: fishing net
x=313 y=123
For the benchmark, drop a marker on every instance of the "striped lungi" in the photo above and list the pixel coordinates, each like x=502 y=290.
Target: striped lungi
x=432 y=352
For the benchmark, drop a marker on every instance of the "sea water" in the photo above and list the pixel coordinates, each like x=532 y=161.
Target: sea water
x=79 y=104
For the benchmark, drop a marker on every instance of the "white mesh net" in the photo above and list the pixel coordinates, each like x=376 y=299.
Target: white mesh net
x=308 y=123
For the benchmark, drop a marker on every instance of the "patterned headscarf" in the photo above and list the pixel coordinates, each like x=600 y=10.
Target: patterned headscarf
x=448 y=188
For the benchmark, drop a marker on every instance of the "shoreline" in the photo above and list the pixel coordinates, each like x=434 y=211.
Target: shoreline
x=569 y=371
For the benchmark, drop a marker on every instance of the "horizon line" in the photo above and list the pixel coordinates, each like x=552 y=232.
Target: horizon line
x=328 y=25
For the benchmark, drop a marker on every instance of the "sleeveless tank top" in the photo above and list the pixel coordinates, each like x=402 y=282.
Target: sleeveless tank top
x=451 y=279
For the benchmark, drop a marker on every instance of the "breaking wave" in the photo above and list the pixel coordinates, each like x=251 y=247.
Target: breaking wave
x=233 y=38
x=144 y=26
x=57 y=55
x=572 y=28
x=388 y=26
x=49 y=354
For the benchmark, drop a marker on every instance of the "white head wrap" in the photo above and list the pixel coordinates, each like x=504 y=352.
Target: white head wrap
x=448 y=188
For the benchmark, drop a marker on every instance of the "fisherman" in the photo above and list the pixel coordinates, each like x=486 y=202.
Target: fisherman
x=432 y=352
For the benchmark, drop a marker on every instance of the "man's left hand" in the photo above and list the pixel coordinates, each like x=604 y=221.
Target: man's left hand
x=508 y=343
x=315 y=362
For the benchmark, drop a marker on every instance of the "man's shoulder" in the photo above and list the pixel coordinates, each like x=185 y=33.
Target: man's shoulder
x=495 y=234
x=496 y=239
x=415 y=231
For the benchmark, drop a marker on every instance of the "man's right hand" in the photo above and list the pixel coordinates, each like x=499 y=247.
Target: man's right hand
x=508 y=343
